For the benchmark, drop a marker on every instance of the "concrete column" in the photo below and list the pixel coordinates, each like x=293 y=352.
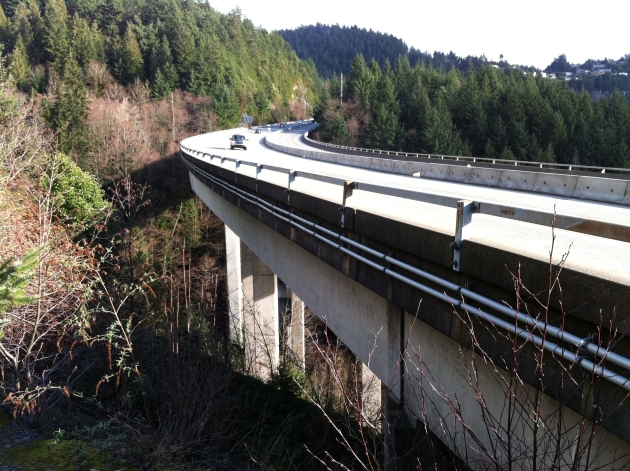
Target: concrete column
x=234 y=284
x=371 y=396
x=295 y=332
x=291 y=319
x=401 y=435
x=401 y=431
x=253 y=302
x=260 y=315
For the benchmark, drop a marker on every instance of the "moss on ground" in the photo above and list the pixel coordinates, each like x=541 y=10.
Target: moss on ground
x=5 y=419
x=67 y=455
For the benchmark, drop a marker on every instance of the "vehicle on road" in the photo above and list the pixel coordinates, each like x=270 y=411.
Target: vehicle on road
x=238 y=140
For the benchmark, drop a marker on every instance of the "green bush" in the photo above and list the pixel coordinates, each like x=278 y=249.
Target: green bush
x=78 y=200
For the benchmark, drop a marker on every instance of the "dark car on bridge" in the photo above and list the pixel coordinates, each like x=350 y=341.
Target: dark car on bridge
x=238 y=140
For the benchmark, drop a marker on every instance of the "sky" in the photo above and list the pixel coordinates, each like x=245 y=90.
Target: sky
x=534 y=33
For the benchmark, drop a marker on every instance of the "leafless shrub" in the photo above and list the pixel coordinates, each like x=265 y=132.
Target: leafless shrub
x=336 y=384
x=198 y=412
x=38 y=337
x=115 y=91
x=98 y=77
x=22 y=139
x=121 y=142
x=138 y=91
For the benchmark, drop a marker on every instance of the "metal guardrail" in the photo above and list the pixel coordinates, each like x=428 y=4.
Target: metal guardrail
x=460 y=293
x=605 y=188
x=486 y=160
x=546 y=218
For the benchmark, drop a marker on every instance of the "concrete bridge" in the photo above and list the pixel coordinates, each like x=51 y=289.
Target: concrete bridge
x=491 y=301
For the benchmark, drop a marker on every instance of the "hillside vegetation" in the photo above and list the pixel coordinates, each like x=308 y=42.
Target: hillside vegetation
x=61 y=48
x=112 y=293
x=486 y=112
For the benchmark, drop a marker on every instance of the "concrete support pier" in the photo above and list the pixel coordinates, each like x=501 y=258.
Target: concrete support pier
x=296 y=346
x=253 y=289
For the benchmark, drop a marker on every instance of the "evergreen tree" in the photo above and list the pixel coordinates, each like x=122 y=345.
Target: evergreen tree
x=160 y=87
x=384 y=131
x=498 y=136
x=185 y=54
x=163 y=73
x=77 y=198
x=4 y=27
x=507 y=154
x=8 y=99
x=339 y=132
x=20 y=26
x=559 y=64
x=404 y=84
x=56 y=38
x=67 y=112
x=14 y=281
x=616 y=130
x=469 y=115
x=87 y=42
x=262 y=106
x=109 y=16
x=19 y=66
x=128 y=62
x=418 y=117
x=8 y=7
x=440 y=135
x=360 y=84
x=226 y=107
x=36 y=49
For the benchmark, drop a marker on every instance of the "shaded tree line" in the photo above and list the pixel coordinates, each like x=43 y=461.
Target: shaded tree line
x=332 y=48
x=485 y=112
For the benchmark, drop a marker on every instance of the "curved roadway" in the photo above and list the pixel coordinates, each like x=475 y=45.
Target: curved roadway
x=604 y=258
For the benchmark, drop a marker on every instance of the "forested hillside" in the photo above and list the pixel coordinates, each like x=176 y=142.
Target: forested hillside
x=486 y=112
x=332 y=49
x=61 y=48
x=112 y=296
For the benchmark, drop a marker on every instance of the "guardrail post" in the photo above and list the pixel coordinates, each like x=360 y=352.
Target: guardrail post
x=291 y=180
x=465 y=209
x=348 y=186
x=258 y=170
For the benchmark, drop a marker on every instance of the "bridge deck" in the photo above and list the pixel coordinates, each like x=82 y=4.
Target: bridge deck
x=597 y=256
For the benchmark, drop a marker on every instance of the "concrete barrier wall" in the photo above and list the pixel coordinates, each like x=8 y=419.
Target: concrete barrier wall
x=607 y=190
